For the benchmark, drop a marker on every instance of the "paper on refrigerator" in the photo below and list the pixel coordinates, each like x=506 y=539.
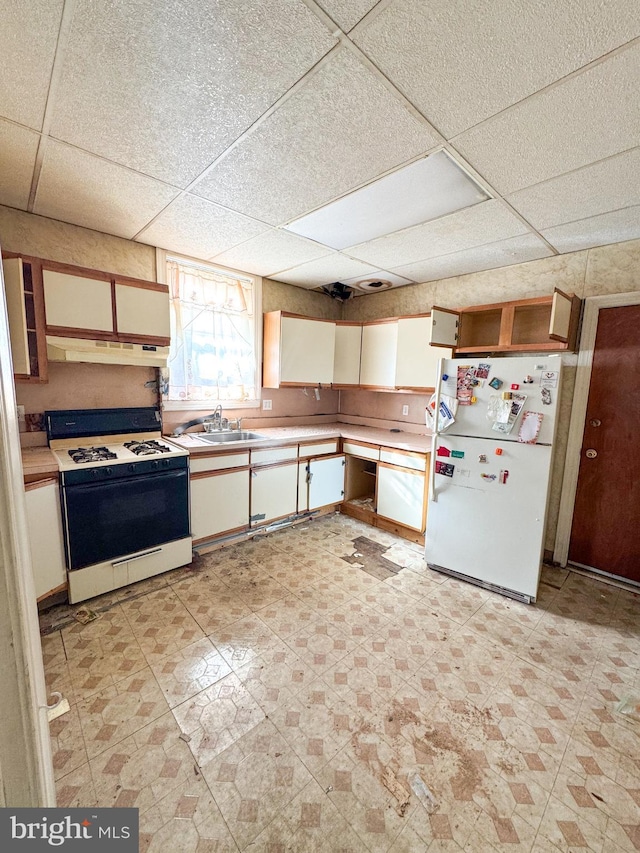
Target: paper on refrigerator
x=446 y=412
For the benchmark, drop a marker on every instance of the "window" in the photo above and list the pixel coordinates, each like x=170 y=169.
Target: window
x=215 y=337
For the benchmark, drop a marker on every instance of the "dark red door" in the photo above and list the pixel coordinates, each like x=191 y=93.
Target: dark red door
x=606 y=524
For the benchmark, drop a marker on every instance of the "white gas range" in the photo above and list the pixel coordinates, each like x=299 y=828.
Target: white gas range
x=125 y=497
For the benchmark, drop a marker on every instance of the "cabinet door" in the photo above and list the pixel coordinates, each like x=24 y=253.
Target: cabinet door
x=142 y=311
x=417 y=360
x=444 y=327
x=401 y=495
x=274 y=492
x=378 y=360
x=77 y=302
x=346 y=360
x=219 y=503
x=307 y=351
x=45 y=537
x=326 y=481
x=14 y=290
x=561 y=316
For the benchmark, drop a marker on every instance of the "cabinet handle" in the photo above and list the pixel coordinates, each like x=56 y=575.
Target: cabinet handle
x=137 y=557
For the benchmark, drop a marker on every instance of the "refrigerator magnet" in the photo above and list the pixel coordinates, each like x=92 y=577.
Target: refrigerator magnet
x=496 y=383
x=482 y=459
x=444 y=468
x=443 y=451
x=482 y=370
x=504 y=475
x=546 y=396
x=457 y=454
x=489 y=477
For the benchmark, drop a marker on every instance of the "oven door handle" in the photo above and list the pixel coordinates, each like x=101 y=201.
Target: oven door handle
x=137 y=557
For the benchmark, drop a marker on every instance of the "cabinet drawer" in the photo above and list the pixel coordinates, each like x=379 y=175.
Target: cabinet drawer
x=406 y=459
x=364 y=451
x=274 y=454
x=198 y=464
x=319 y=448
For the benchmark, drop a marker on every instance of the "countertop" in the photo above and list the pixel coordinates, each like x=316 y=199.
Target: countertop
x=275 y=436
x=39 y=461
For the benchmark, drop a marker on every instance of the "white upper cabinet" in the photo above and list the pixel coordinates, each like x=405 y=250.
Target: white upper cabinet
x=417 y=360
x=77 y=301
x=142 y=310
x=297 y=350
x=346 y=362
x=378 y=359
x=90 y=304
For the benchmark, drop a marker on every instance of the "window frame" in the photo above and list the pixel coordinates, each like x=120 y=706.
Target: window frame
x=201 y=405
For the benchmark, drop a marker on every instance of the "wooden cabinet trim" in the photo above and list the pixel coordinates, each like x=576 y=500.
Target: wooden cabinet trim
x=80 y=272
x=38 y=484
x=262 y=466
x=358 y=443
x=223 y=535
x=415 y=471
x=141 y=283
x=419 y=454
x=203 y=475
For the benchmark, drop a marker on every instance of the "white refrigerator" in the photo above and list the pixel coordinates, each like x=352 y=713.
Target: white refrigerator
x=491 y=470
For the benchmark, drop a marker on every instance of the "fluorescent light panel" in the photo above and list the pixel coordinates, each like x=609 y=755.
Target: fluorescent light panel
x=422 y=191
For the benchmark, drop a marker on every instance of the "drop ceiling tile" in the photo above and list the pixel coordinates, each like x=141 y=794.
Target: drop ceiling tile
x=461 y=62
x=380 y=275
x=516 y=250
x=19 y=147
x=193 y=226
x=608 y=185
x=83 y=189
x=334 y=267
x=342 y=129
x=28 y=37
x=270 y=252
x=483 y=223
x=614 y=227
x=347 y=13
x=165 y=93
x=586 y=118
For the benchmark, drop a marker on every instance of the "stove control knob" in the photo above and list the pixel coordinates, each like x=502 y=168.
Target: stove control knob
x=165 y=463
x=132 y=468
x=108 y=472
x=155 y=464
x=94 y=473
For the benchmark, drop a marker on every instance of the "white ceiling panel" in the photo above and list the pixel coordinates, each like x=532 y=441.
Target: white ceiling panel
x=484 y=223
x=342 y=129
x=380 y=275
x=587 y=192
x=334 y=267
x=83 y=189
x=193 y=226
x=141 y=85
x=347 y=13
x=19 y=147
x=570 y=125
x=613 y=227
x=460 y=61
x=270 y=253
x=28 y=36
x=516 y=250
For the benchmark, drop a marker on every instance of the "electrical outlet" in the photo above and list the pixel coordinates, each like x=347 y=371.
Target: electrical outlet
x=267 y=405
x=405 y=410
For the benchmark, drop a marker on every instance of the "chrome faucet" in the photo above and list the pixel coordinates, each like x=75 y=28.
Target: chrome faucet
x=216 y=418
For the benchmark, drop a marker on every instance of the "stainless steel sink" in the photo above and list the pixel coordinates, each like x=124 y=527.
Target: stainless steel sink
x=232 y=435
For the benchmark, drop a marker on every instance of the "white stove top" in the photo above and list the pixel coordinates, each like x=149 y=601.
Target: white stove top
x=155 y=447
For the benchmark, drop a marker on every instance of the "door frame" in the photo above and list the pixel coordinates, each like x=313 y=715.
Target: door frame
x=25 y=747
x=592 y=308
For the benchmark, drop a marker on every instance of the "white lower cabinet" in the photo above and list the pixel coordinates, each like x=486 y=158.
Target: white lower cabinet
x=45 y=537
x=274 y=492
x=219 y=503
x=321 y=482
x=401 y=495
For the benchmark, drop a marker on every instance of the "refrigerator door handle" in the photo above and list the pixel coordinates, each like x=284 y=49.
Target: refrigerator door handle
x=434 y=440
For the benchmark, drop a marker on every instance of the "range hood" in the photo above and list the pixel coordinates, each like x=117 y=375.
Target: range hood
x=105 y=352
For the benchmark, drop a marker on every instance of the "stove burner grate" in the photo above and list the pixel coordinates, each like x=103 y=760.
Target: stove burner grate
x=82 y=455
x=146 y=448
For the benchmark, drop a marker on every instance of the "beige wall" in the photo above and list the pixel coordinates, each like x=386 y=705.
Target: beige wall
x=277 y=296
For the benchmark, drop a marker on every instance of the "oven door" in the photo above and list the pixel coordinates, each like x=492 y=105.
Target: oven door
x=104 y=521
